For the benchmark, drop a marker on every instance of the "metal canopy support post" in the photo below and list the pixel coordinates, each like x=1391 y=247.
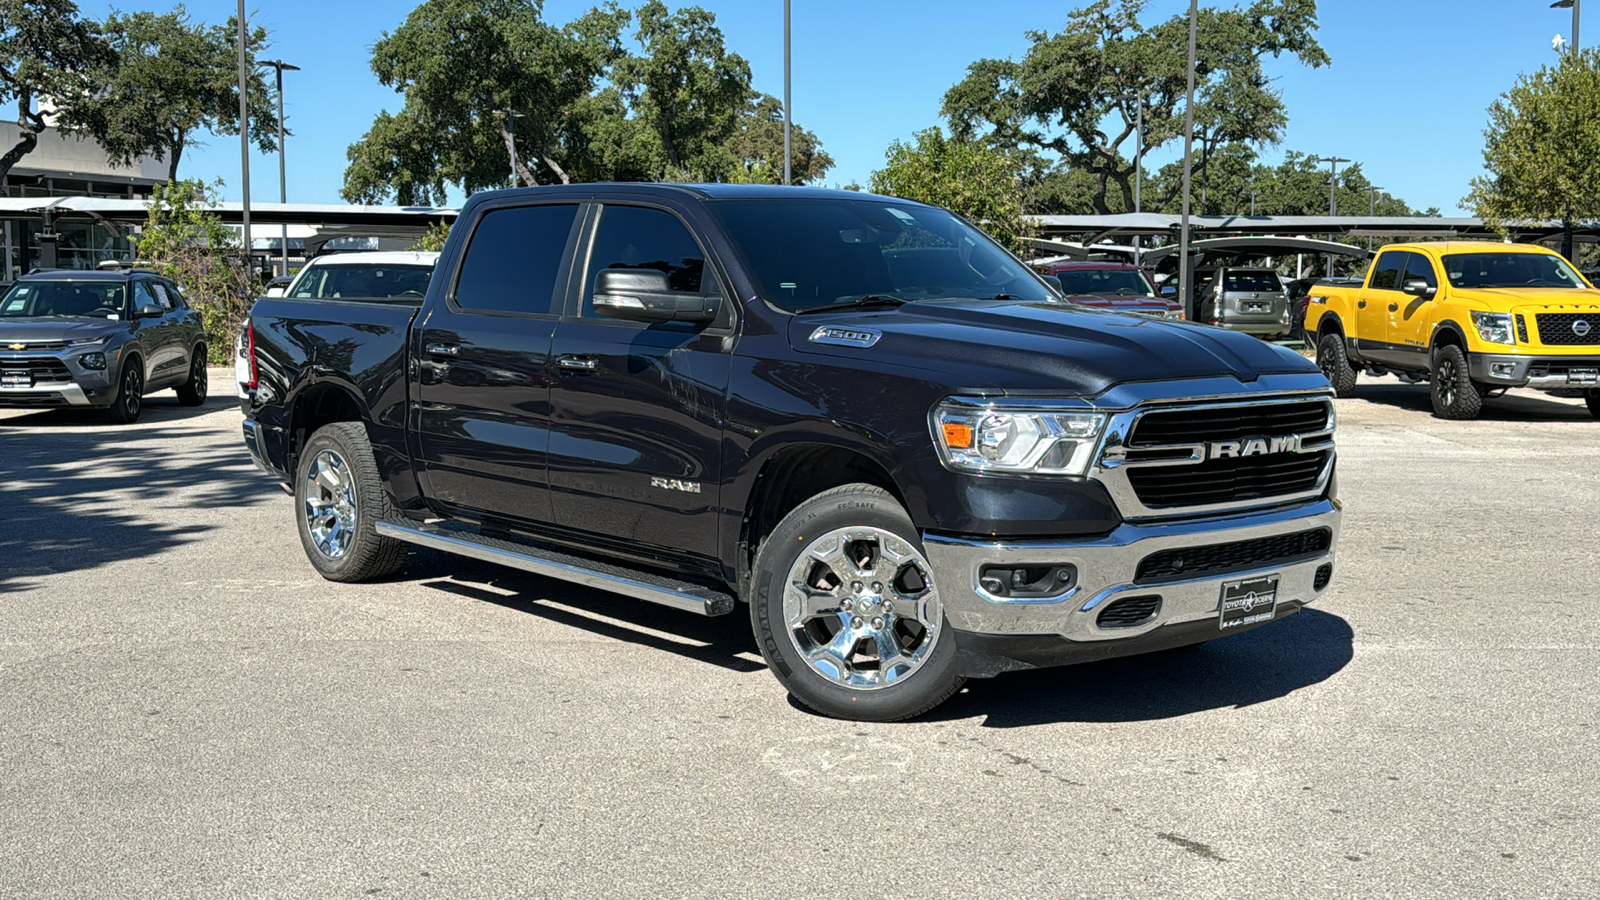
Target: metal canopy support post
x=1184 y=275
x=244 y=132
x=788 y=117
x=283 y=180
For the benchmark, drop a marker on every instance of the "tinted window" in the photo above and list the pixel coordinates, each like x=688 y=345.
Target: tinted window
x=162 y=300
x=143 y=296
x=1104 y=282
x=1254 y=282
x=1419 y=266
x=337 y=281
x=633 y=237
x=1504 y=270
x=812 y=253
x=513 y=259
x=1386 y=275
x=63 y=298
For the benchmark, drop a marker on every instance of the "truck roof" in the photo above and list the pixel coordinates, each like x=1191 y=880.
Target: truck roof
x=695 y=191
x=1442 y=247
x=379 y=258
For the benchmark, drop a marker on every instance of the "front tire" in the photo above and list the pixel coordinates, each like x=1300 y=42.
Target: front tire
x=129 y=401
x=193 y=391
x=1334 y=361
x=845 y=608
x=1455 y=395
x=339 y=499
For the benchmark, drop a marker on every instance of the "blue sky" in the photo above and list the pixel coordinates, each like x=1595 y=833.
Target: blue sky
x=1405 y=95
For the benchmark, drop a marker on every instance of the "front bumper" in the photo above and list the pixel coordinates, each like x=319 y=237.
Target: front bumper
x=1107 y=571
x=1539 y=372
x=66 y=384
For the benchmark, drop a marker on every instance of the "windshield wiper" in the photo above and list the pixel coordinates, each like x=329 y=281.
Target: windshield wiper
x=865 y=300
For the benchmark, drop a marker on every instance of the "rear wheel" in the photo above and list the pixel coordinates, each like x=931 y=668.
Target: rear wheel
x=193 y=391
x=1455 y=395
x=844 y=605
x=1334 y=361
x=129 y=401
x=339 y=500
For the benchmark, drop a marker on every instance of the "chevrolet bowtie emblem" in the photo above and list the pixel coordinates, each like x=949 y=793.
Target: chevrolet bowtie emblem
x=17 y=347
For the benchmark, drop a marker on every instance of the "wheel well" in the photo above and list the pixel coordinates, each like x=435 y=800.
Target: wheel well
x=1330 y=324
x=791 y=477
x=320 y=405
x=1445 y=336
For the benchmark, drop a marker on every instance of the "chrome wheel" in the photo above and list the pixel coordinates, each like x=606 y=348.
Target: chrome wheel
x=329 y=497
x=861 y=608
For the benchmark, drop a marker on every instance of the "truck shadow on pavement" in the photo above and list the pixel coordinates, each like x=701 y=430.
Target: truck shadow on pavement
x=1514 y=406
x=80 y=493
x=1261 y=665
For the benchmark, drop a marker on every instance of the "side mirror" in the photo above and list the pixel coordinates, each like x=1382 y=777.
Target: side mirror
x=645 y=295
x=1418 y=288
x=1168 y=290
x=149 y=311
x=1054 y=282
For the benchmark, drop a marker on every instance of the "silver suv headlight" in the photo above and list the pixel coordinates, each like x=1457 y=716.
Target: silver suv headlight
x=1015 y=439
x=1494 y=327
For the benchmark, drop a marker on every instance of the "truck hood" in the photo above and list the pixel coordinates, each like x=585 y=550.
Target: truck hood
x=1009 y=346
x=57 y=328
x=1121 y=301
x=1529 y=299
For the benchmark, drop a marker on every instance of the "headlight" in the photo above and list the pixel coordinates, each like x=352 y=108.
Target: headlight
x=1494 y=327
x=92 y=360
x=88 y=342
x=1015 y=440
x=1174 y=314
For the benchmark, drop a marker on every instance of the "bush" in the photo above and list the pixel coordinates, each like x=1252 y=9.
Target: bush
x=186 y=241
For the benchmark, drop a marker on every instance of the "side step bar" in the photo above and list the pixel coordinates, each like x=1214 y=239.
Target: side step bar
x=552 y=564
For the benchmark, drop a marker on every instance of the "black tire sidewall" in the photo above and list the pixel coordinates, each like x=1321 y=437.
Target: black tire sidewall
x=1468 y=398
x=193 y=392
x=120 y=410
x=1343 y=378
x=350 y=443
x=856 y=505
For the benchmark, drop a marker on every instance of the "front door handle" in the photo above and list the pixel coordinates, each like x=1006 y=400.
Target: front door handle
x=578 y=363
x=1394 y=307
x=1362 y=305
x=450 y=350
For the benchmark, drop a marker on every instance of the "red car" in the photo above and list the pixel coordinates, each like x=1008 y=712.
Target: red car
x=1115 y=286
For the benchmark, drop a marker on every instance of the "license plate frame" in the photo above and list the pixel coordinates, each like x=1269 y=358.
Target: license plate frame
x=16 y=379
x=1587 y=377
x=1248 y=601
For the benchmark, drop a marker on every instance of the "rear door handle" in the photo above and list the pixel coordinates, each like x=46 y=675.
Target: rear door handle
x=1394 y=307
x=444 y=350
x=578 y=363
x=1362 y=305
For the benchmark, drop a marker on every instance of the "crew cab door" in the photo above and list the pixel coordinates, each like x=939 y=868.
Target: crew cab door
x=1411 y=318
x=1371 y=331
x=161 y=335
x=481 y=351
x=637 y=409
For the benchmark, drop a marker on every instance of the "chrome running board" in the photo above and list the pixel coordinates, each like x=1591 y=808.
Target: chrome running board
x=540 y=560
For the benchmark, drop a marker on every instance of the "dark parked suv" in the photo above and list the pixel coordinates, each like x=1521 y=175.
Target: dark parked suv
x=102 y=339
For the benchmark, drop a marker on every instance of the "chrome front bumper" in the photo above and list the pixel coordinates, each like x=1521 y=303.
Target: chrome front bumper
x=1106 y=569
x=1547 y=372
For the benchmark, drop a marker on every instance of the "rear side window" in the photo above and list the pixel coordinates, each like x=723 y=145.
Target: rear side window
x=1419 y=266
x=634 y=237
x=1386 y=274
x=513 y=259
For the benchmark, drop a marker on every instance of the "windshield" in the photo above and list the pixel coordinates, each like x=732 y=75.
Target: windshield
x=330 y=281
x=1256 y=282
x=1506 y=270
x=810 y=253
x=93 y=299
x=1110 y=282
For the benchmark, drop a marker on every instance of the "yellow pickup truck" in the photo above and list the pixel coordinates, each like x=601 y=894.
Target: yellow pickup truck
x=1473 y=318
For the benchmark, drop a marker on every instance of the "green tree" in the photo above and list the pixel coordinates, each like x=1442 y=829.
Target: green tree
x=1058 y=101
x=757 y=147
x=166 y=80
x=459 y=64
x=979 y=182
x=185 y=240
x=432 y=240
x=46 y=52
x=1542 y=149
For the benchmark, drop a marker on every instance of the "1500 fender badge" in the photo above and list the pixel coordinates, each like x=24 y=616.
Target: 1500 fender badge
x=674 y=484
x=846 y=337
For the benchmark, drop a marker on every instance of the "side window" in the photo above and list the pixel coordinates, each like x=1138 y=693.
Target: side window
x=1386 y=274
x=162 y=300
x=143 y=296
x=175 y=295
x=1421 y=267
x=633 y=237
x=513 y=259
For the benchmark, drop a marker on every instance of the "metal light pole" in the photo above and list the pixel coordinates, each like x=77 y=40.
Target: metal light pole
x=1574 y=5
x=1138 y=157
x=1333 y=196
x=1253 y=203
x=1372 y=210
x=788 y=117
x=244 y=130
x=1188 y=168
x=511 y=139
x=283 y=181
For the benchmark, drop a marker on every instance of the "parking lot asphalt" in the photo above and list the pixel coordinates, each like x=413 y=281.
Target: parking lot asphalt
x=189 y=711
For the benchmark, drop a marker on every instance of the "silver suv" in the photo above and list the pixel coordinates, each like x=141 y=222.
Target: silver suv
x=1252 y=300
